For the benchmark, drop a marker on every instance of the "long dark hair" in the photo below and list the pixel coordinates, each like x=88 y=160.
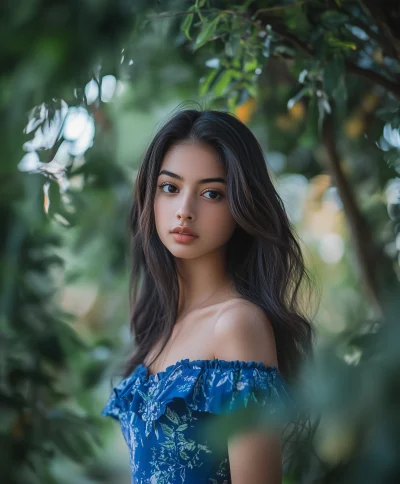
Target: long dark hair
x=264 y=258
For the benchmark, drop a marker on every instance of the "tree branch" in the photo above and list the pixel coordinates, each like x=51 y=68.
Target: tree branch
x=373 y=76
x=376 y=78
x=302 y=46
x=365 y=249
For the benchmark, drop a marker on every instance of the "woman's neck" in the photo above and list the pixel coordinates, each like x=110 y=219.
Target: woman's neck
x=202 y=282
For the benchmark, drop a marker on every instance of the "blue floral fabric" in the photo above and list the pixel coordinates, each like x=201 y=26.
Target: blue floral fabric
x=162 y=414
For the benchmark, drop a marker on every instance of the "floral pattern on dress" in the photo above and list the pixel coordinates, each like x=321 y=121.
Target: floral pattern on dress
x=161 y=415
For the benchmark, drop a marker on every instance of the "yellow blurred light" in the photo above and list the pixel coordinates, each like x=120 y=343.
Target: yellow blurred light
x=284 y=122
x=246 y=110
x=297 y=111
x=377 y=55
x=354 y=127
x=370 y=102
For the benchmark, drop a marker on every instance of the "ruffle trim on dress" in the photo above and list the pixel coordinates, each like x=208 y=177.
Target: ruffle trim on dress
x=215 y=386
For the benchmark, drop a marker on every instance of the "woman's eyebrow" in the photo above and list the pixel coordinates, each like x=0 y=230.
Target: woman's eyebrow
x=204 y=180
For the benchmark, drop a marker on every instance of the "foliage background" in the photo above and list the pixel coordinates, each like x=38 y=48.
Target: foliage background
x=83 y=87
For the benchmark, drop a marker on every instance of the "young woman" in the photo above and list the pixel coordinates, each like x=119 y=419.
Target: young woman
x=215 y=314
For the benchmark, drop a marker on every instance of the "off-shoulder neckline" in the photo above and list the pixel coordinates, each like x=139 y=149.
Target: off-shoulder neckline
x=215 y=363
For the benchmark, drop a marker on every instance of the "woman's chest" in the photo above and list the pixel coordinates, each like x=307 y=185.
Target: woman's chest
x=191 y=339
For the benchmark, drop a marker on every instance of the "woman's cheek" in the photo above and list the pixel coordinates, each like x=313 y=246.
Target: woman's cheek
x=222 y=225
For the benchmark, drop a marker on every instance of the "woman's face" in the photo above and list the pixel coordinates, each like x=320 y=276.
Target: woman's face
x=183 y=198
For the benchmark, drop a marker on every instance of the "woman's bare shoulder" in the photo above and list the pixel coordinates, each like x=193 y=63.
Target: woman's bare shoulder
x=238 y=306
x=244 y=332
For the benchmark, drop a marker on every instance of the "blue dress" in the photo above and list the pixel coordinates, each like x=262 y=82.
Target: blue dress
x=162 y=415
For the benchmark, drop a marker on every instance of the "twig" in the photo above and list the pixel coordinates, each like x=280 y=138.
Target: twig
x=294 y=40
x=187 y=12
x=275 y=9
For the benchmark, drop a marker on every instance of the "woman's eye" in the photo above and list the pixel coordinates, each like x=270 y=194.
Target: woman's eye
x=216 y=196
x=161 y=187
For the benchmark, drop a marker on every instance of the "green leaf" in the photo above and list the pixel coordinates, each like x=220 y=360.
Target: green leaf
x=331 y=19
x=232 y=44
x=205 y=85
x=296 y=19
x=206 y=32
x=187 y=23
x=340 y=44
x=251 y=65
x=390 y=115
x=333 y=72
x=222 y=83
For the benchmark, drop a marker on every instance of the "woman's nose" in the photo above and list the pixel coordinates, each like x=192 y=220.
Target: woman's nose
x=185 y=210
x=184 y=214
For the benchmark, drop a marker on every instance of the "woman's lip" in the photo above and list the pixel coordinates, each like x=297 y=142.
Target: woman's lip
x=183 y=238
x=183 y=233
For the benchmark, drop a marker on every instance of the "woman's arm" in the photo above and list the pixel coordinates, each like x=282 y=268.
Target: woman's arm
x=255 y=458
x=244 y=333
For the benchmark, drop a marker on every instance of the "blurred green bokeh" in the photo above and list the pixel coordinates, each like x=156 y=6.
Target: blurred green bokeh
x=83 y=86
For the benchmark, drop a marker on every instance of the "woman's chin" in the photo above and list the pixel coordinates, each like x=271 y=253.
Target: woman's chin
x=184 y=252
